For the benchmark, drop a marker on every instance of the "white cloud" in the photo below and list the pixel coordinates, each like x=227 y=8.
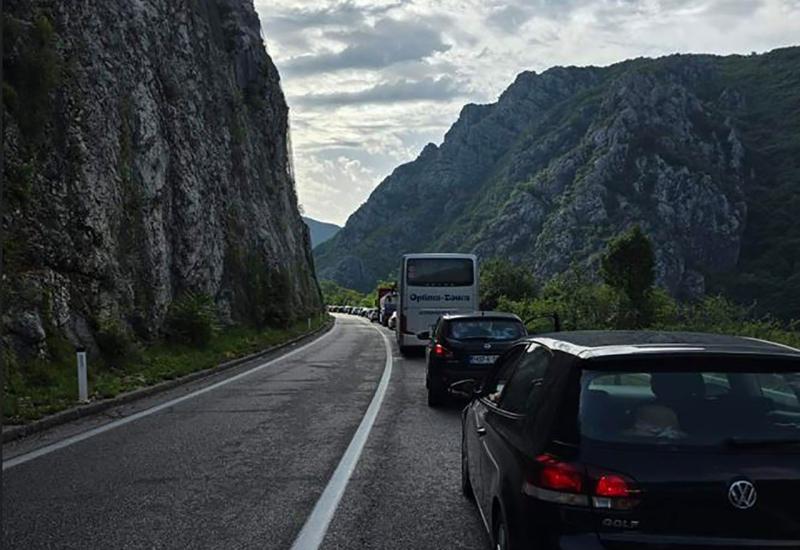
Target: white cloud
x=371 y=82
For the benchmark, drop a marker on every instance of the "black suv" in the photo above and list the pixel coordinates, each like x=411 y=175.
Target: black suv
x=465 y=346
x=618 y=440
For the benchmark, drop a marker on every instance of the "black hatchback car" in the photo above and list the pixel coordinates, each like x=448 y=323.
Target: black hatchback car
x=621 y=440
x=465 y=346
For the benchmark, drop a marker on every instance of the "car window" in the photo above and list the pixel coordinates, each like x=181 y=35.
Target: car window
x=497 y=378
x=705 y=408
x=522 y=389
x=485 y=329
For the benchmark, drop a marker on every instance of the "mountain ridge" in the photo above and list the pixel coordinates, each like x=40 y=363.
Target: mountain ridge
x=571 y=157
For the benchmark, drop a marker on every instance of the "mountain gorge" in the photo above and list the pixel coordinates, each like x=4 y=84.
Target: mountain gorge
x=702 y=151
x=146 y=157
x=320 y=231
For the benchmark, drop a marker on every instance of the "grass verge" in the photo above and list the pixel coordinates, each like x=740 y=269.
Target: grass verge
x=41 y=388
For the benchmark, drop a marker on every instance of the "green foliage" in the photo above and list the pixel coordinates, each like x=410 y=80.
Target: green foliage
x=192 y=319
x=499 y=278
x=41 y=387
x=116 y=345
x=628 y=266
x=333 y=294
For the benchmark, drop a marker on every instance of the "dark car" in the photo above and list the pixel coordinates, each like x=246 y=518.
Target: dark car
x=465 y=346
x=622 y=440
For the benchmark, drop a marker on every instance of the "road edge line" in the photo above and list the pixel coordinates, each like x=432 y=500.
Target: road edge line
x=316 y=526
x=15 y=433
x=68 y=441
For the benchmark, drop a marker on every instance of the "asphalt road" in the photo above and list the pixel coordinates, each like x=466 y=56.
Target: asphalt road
x=242 y=465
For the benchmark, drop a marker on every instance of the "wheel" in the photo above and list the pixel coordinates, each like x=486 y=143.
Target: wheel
x=405 y=351
x=501 y=540
x=466 y=486
x=435 y=396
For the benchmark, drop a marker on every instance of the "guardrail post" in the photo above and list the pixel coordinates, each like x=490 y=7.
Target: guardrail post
x=83 y=384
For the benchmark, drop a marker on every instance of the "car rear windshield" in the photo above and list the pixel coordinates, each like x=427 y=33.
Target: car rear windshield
x=440 y=272
x=702 y=408
x=485 y=329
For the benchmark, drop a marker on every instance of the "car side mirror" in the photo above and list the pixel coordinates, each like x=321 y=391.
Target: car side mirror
x=424 y=335
x=465 y=388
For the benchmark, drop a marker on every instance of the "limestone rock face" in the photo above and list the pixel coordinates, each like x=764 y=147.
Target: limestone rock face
x=160 y=164
x=567 y=159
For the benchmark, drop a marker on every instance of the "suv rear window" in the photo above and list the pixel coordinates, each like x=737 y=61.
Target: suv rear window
x=707 y=408
x=485 y=329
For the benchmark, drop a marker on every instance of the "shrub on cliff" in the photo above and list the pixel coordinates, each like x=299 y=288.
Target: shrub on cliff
x=192 y=319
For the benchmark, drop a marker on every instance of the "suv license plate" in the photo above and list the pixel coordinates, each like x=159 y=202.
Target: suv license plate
x=483 y=359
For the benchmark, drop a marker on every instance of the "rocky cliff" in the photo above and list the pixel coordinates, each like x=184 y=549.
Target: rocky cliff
x=146 y=156
x=695 y=149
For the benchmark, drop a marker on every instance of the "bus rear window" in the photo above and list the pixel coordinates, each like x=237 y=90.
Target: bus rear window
x=440 y=272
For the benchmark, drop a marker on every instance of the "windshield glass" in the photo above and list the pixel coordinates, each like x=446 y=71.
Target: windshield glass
x=486 y=329
x=710 y=408
x=440 y=272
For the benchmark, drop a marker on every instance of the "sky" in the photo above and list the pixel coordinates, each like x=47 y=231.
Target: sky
x=370 y=82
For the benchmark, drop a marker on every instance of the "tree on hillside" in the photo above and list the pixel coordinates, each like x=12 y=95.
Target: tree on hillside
x=628 y=266
x=500 y=278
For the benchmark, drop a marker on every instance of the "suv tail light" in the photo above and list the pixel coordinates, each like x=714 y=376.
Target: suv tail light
x=571 y=484
x=441 y=351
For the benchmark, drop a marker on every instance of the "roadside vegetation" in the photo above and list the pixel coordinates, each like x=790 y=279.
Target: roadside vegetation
x=334 y=294
x=194 y=342
x=622 y=295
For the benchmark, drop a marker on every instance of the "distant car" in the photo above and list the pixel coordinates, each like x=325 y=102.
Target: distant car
x=605 y=440
x=464 y=346
x=392 y=322
x=374 y=315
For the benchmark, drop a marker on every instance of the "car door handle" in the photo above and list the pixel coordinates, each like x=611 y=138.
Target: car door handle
x=481 y=431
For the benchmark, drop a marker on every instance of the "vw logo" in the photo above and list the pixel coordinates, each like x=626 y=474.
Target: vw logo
x=742 y=494
x=487 y=346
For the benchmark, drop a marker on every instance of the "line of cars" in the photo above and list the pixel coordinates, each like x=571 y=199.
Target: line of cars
x=376 y=315
x=622 y=440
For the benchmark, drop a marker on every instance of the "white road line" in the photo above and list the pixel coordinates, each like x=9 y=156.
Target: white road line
x=313 y=532
x=47 y=449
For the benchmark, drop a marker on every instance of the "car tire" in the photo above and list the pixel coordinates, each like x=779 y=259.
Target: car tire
x=435 y=396
x=405 y=351
x=466 y=485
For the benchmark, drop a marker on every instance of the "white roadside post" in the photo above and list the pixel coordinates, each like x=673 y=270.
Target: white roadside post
x=83 y=384
x=309 y=323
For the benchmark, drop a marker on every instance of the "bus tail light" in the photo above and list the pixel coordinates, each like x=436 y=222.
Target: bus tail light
x=402 y=323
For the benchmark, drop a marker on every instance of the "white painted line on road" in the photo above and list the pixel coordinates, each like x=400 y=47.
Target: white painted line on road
x=313 y=532
x=47 y=449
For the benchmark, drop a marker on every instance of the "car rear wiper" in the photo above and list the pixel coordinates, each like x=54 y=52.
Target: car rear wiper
x=763 y=442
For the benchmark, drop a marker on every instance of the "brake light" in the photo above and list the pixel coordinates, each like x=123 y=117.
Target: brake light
x=614 y=491
x=556 y=481
x=441 y=351
x=402 y=323
x=573 y=484
x=613 y=486
x=559 y=476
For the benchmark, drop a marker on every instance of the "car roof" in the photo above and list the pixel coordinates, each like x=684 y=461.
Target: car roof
x=608 y=343
x=478 y=314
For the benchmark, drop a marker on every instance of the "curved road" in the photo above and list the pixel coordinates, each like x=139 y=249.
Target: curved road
x=243 y=464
